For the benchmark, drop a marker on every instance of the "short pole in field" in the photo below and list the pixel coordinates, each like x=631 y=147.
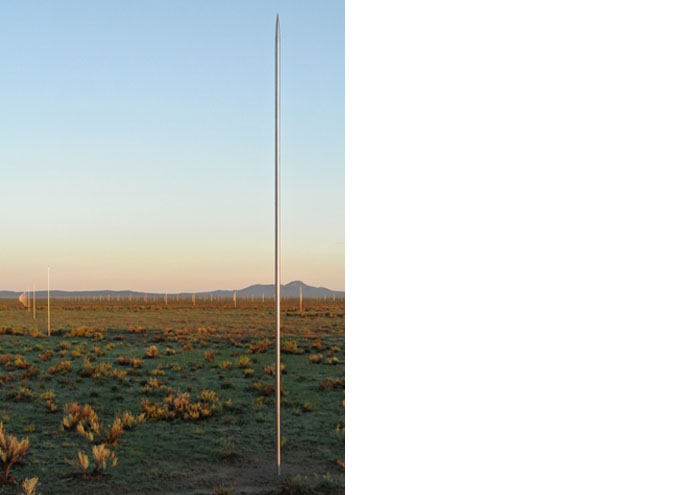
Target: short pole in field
x=48 y=296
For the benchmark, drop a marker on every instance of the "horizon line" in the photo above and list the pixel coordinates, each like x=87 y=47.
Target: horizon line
x=167 y=292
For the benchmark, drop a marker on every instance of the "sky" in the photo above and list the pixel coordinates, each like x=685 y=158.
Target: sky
x=136 y=144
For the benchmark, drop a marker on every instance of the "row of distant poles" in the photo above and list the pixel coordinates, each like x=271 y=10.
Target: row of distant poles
x=26 y=298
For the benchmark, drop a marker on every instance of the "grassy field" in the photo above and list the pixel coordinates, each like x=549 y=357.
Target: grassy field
x=193 y=391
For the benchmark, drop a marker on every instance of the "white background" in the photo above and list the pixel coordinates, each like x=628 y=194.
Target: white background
x=520 y=269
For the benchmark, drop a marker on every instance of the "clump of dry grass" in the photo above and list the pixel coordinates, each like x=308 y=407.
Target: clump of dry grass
x=24 y=393
x=208 y=396
x=76 y=414
x=81 y=463
x=102 y=458
x=178 y=405
x=152 y=385
x=260 y=346
x=152 y=352
x=49 y=396
x=333 y=383
x=95 y=432
x=129 y=420
x=210 y=356
x=268 y=390
x=270 y=370
x=259 y=403
x=315 y=358
x=29 y=486
x=83 y=420
x=100 y=370
x=30 y=372
x=248 y=372
x=289 y=347
x=98 y=333
x=11 y=451
x=225 y=364
x=19 y=362
x=62 y=367
x=244 y=362
x=45 y=356
x=155 y=411
x=228 y=448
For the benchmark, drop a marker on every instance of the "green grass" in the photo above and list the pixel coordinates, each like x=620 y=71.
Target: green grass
x=233 y=450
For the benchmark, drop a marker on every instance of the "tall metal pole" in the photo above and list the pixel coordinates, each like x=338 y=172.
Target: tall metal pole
x=277 y=235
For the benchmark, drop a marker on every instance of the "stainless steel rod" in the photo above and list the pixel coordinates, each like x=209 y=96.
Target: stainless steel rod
x=277 y=237
x=48 y=292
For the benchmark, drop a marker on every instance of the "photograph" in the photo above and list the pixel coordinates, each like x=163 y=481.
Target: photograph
x=172 y=251
x=191 y=191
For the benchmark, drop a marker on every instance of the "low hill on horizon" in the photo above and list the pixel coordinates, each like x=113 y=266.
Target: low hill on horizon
x=257 y=290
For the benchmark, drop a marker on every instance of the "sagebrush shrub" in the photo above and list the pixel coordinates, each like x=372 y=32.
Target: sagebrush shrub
x=102 y=458
x=270 y=369
x=244 y=362
x=11 y=451
x=151 y=352
x=76 y=414
x=29 y=486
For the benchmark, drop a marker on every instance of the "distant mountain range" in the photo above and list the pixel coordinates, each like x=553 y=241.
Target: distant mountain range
x=258 y=290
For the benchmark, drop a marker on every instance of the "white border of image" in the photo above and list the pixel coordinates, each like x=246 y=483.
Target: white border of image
x=520 y=258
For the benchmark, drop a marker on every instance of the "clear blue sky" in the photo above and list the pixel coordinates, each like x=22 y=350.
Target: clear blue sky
x=136 y=143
